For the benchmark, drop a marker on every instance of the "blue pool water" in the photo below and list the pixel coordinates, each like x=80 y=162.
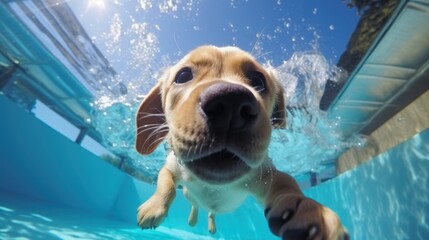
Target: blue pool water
x=45 y=196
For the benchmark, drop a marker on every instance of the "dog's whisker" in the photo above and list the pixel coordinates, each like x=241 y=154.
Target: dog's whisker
x=212 y=140
x=152 y=125
x=159 y=133
x=150 y=146
x=155 y=112
x=199 y=148
x=162 y=121
x=153 y=142
x=150 y=113
x=149 y=126
x=156 y=132
x=202 y=144
x=188 y=152
x=155 y=128
x=195 y=149
x=160 y=116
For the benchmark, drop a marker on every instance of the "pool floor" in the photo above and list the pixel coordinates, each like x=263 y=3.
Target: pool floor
x=25 y=218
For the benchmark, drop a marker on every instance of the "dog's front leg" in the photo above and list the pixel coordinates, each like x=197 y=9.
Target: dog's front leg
x=291 y=215
x=152 y=212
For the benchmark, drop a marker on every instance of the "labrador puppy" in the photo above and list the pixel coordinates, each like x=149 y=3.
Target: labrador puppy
x=216 y=107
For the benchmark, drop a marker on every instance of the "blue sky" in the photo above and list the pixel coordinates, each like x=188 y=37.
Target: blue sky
x=282 y=27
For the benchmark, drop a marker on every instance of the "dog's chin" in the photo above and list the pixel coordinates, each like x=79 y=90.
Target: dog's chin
x=217 y=168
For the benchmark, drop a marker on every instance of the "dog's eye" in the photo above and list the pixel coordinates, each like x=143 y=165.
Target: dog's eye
x=184 y=75
x=257 y=80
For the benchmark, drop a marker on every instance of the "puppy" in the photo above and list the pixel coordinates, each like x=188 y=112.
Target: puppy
x=216 y=108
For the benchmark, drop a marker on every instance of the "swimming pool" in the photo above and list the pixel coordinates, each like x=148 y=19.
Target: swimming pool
x=52 y=188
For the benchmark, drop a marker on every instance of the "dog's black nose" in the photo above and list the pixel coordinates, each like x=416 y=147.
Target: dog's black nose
x=229 y=107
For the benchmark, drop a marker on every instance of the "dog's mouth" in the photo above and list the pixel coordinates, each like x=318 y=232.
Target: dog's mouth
x=219 y=167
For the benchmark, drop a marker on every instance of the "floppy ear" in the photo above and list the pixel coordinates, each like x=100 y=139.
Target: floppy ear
x=150 y=121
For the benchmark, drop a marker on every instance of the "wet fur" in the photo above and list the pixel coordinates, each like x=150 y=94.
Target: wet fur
x=172 y=111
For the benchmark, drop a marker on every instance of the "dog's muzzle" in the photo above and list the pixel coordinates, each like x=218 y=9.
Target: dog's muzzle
x=230 y=111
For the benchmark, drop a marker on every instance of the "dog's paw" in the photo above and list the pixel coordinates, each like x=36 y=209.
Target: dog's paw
x=151 y=213
x=296 y=217
x=212 y=224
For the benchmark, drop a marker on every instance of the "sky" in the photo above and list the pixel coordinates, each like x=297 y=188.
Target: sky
x=130 y=33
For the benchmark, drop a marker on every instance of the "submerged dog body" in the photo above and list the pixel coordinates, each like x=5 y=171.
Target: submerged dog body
x=216 y=108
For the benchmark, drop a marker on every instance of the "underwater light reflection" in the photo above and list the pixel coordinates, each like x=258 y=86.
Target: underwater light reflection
x=396 y=198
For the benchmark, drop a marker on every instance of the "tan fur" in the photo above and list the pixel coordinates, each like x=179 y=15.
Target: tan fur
x=173 y=111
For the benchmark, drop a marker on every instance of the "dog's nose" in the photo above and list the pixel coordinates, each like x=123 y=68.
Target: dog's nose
x=229 y=106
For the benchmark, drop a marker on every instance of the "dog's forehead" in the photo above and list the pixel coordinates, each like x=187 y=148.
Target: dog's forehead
x=222 y=57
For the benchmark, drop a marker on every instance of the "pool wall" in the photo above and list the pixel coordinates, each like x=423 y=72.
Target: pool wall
x=385 y=198
x=405 y=124
x=38 y=164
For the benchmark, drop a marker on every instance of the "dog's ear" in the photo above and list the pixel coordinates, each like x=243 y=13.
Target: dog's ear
x=150 y=120
x=278 y=117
